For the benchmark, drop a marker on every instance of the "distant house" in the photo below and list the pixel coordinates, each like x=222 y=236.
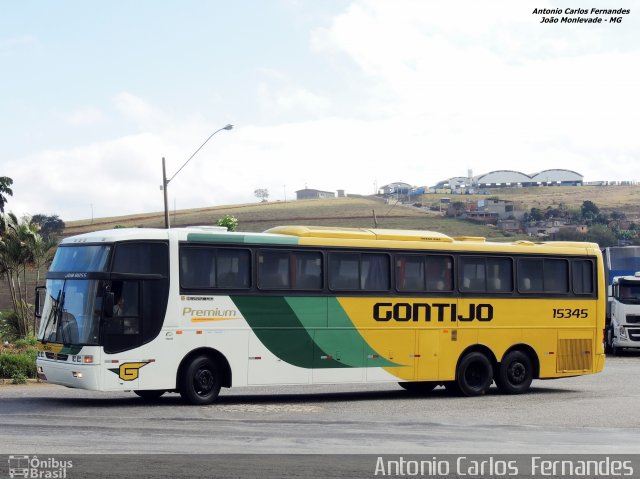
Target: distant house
x=311 y=194
x=397 y=188
x=502 y=208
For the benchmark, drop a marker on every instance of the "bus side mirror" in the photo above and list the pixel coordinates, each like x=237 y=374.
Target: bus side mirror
x=108 y=303
x=40 y=297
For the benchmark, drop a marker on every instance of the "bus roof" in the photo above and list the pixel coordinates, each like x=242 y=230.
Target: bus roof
x=338 y=236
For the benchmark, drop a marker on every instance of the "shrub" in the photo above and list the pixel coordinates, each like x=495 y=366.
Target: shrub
x=228 y=221
x=17 y=363
x=9 y=326
x=25 y=343
x=19 y=378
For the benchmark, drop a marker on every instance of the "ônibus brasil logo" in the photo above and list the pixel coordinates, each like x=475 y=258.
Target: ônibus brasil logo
x=42 y=468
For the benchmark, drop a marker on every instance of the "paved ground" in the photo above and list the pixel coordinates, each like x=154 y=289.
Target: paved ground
x=588 y=414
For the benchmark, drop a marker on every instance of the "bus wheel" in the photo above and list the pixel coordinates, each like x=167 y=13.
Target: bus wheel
x=200 y=381
x=515 y=373
x=474 y=374
x=419 y=387
x=150 y=394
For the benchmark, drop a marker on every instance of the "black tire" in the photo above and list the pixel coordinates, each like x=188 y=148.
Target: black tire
x=474 y=374
x=200 y=381
x=515 y=373
x=150 y=394
x=608 y=340
x=419 y=387
x=452 y=388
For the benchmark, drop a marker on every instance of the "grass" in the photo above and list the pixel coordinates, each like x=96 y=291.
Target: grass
x=624 y=199
x=359 y=211
x=345 y=212
x=18 y=361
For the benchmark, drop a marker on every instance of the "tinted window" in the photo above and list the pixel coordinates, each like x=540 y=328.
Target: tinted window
x=207 y=268
x=582 y=276
x=424 y=273
x=359 y=271
x=141 y=258
x=81 y=259
x=298 y=270
x=480 y=274
x=543 y=275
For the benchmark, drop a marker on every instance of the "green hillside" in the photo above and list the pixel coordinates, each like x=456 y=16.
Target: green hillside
x=359 y=211
x=348 y=212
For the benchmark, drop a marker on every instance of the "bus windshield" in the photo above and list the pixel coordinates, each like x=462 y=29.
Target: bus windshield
x=71 y=312
x=73 y=303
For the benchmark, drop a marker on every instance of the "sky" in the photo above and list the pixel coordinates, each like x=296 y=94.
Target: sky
x=331 y=94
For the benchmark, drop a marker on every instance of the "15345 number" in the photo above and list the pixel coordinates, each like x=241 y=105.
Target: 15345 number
x=570 y=313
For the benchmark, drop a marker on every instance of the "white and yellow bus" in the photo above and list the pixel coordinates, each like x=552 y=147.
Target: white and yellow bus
x=191 y=310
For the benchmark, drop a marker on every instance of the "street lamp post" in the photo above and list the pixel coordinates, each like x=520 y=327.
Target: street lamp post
x=166 y=181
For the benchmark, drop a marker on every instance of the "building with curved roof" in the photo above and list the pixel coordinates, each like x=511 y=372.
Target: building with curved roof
x=553 y=177
x=512 y=178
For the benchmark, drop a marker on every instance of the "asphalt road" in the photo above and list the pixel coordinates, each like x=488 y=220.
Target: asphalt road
x=587 y=414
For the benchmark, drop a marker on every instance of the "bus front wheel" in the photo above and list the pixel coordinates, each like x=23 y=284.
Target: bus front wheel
x=200 y=382
x=474 y=374
x=515 y=373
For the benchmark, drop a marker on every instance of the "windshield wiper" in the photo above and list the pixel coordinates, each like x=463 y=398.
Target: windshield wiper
x=53 y=315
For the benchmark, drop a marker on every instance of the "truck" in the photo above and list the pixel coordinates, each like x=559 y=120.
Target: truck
x=622 y=272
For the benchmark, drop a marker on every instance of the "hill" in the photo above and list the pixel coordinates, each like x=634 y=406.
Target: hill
x=359 y=211
x=625 y=199
x=351 y=211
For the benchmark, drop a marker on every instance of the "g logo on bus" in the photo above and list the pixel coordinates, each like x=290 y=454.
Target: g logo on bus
x=129 y=371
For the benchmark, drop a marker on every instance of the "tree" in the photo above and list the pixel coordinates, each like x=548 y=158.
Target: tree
x=589 y=210
x=603 y=235
x=5 y=189
x=262 y=194
x=22 y=249
x=50 y=226
x=536 y=214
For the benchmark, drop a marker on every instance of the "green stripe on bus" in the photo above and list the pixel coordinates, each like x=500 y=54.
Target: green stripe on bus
x=333 y=331
x=277 y=326
x=242 y=239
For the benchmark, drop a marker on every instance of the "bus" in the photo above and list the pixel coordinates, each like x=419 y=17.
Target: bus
x=192 y=310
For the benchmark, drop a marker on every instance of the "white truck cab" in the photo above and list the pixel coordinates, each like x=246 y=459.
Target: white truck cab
x=624 y=302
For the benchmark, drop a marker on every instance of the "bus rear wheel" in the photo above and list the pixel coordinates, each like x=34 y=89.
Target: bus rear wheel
x=150 y=394
x=200 y=382
x=515 y=373
x=474 y=374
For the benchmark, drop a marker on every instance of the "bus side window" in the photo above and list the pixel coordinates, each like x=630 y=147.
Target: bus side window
x=439 y=276
x=472 y=277
x=582 y=276
x=307 y=274
x=375 y=272
x=233 y=268
x=530 y=274
x=410 y=273
x=556 y=276
x=344 y=271
x=499 y=275
x=273 y=270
